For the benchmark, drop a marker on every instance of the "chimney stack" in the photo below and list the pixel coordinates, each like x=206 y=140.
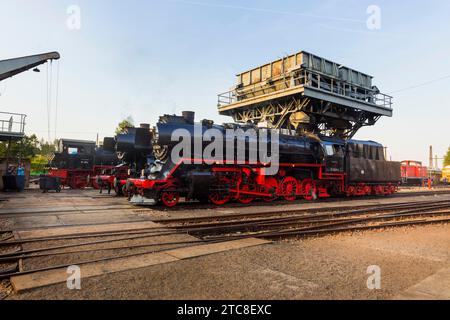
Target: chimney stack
x=431 y=157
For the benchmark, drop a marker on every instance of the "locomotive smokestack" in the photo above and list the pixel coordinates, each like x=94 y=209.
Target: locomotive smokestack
x=189 y=116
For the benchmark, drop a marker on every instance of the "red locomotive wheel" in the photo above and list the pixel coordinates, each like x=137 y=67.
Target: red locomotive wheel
x=218 y=199
x=391 y=190
x=219 y=195
x=289 y=188
x=309 y=189
x=351 y=190
x=271 y=185
x=378 y=190
x=170 y=198
x=245 y=198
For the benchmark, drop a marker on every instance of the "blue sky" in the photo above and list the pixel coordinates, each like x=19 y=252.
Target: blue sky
x=147 y=58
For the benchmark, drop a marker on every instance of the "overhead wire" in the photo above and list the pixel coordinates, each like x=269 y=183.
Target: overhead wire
x=421 y=84
x=47 y=74
x=56 y=99
x=49 y=92
x=51 y=99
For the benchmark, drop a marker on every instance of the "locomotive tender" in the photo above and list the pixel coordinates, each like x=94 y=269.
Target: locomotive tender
x=308 y=166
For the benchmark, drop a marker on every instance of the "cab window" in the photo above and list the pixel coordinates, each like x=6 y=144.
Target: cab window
x=329 y=149
x=338 y=150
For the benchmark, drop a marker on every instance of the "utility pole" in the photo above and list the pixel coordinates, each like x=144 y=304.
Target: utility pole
x=436 y=159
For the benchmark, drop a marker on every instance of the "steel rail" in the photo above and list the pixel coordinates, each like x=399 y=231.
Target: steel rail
x=402 y=223
x=375 y=218
x=246 y=228
x=325 y=231
x=31 y=255
x=87 y=235
x=140 y=236
x=284 y=212
x=9 y=275
x=311 y=215
x=342 y=222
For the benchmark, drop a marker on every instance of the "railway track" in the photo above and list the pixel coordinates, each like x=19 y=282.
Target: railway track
x=127 y=241
x=272 y=224
x=7 y=273
x=316 y=221
x=86 y=209
x=182 y=206
x=286 y=212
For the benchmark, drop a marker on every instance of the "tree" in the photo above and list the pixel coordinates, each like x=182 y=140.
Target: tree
x=26 y=148
x=40 y=161
x=126 y=123
x=47 y=149
x=447 y=158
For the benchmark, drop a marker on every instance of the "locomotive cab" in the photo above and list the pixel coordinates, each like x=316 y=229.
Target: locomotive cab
x=334 y=155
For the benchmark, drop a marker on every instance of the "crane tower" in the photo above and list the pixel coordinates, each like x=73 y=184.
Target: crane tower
x=304 y=92
x=12 y=125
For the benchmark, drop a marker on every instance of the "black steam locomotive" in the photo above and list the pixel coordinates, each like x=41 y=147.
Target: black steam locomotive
x=220 y=163
x=78 y=160
x=80 y=154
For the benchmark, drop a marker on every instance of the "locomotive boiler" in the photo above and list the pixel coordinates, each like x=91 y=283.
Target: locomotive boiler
x=181 y=158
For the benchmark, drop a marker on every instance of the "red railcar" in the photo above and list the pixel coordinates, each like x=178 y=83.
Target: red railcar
x=413 y=173
x=78 y=178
